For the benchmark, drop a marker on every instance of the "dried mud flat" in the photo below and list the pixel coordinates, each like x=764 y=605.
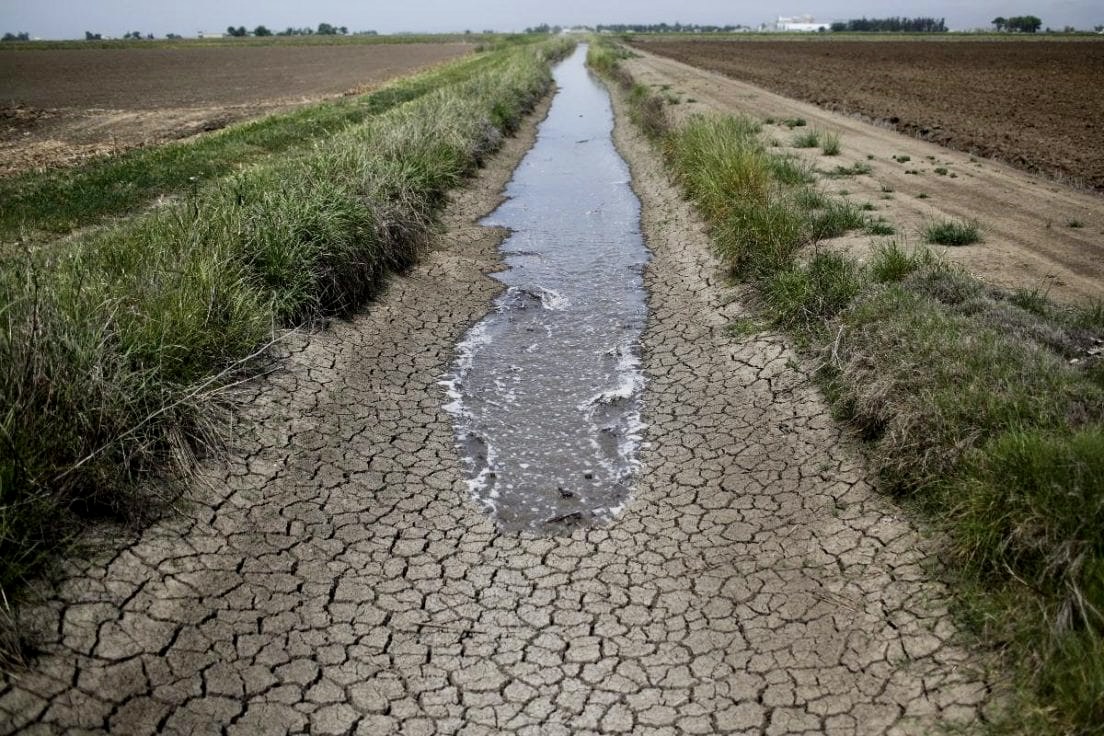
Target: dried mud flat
x=336 y=577
x=60 y=106
x=1035 y=104
x=1036 y=234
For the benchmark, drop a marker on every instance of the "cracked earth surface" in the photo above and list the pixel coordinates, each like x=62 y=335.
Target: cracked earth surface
x=334 y=577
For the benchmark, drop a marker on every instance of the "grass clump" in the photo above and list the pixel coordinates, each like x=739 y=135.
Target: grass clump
x=807 y=139
x=952 y=232
x=830 y=144
x=855 y=169
x=117 y=348
x=836 y=219
x=890 y=262
x=879 y=227
x=808 y=295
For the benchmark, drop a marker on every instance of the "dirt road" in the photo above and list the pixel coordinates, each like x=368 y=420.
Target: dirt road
x=1016 y=100
x=336 y=576
x=1036 y=233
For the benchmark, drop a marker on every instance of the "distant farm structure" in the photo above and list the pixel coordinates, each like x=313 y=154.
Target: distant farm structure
x=797 y=24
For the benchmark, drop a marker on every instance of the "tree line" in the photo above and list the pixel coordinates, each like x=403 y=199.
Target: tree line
x=892 y=25
x=324 y=29
x=644 y=28
x=666 y=28
x=1018 y=23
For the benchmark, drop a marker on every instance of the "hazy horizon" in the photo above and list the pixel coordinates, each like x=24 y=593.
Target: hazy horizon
x=61 y=19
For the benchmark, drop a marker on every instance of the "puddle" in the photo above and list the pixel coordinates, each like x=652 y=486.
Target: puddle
x=545 y=391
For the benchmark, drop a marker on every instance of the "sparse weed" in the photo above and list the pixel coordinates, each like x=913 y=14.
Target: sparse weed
x=952 y=232
x=806 y=139
x=879 y=227
x=744 y=327
x=830 y=144
x=836 y=219
x=891 y=262
x=806 y=296
x=855 y=169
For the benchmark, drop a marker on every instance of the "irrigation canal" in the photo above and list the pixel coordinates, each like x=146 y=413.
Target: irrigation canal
x=546 y=389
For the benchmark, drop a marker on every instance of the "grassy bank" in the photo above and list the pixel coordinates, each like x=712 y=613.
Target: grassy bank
x=981 y=408
x=116 y=348
x=60 y=200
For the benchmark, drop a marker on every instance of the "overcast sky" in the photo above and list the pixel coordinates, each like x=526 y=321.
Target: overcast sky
x=71 y=18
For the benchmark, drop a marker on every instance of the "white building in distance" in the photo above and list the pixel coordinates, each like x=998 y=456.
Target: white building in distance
x=798 y=24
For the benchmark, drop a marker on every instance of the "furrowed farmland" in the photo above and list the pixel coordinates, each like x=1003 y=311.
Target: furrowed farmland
x=61 y=105
x=552 y=383
x=1035 y=104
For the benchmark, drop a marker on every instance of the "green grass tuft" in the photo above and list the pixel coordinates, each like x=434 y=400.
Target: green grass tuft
x=830 y=144
x=952 y=232
x=836 y=219
x=879 y=227
x=807 y=139
x=806 y=296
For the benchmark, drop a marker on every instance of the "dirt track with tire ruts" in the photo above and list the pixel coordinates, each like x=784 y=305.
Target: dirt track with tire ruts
x=1034 y=104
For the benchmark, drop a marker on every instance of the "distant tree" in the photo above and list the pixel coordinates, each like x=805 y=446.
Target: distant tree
x=1024 y=23
x=238 y=32
x=261 y=31
x=133 y=34
x=893 y=25
x=21 y=36
x=1000 y=22
x=1099 y=29
x=149 y=36
x=173 y=36
x=660 y=28
x=90 y=36
x=325 y=29
x=343 y=30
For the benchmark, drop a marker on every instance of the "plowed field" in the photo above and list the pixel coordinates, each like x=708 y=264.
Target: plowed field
x=61 y=105
x=1034 y=104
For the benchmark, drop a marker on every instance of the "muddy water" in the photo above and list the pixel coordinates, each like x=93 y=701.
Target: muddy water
x=545 y=392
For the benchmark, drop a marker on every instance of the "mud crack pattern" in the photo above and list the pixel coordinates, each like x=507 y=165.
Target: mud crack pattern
x=336 y=579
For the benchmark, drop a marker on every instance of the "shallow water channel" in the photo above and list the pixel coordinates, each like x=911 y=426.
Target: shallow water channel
x=545 y=391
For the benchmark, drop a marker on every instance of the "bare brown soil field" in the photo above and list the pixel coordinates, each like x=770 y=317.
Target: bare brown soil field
x=58 y=106
x=1036 y=105
x=1036 y=234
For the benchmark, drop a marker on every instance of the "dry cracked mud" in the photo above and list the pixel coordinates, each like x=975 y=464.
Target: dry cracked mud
x=333 y=577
